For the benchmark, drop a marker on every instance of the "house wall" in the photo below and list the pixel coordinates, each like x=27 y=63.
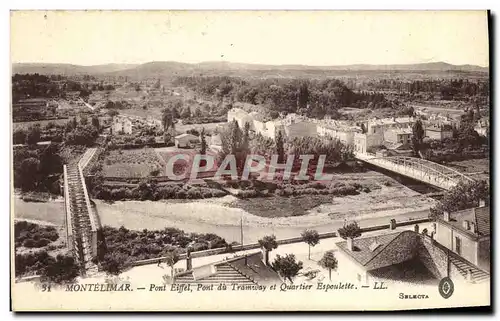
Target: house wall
x=390 y=136
x=344 y=136
x=301 y=129
x=483 y=255
x=351 y=271
x=446 y=236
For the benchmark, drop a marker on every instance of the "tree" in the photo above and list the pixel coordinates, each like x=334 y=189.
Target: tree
x=95 y=122
x=168 y=122
x=464 y=195
x=280 y=147
x=186 y=112
x=171 y=257
x=311 y=237
x=329 y=261
x=27 y=173
x=19 y=136
x=268 y=243
x=417 y=136
x=351 y=230
x=84 y=120
x=287 y=266
x=62 y=269
x=203 y=148
x=33 y=136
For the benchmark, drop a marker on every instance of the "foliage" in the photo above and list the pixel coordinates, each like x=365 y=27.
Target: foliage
x=287 y=266
x=268 y=242
x=329 y=261
x=466 y=194
x=351 y=230
x=33 y=235
x=311 y=237
x=122 y=246
x=417 y=136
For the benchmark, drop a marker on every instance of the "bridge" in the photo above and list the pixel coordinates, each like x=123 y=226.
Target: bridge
x=419 y=169
x=81 y=219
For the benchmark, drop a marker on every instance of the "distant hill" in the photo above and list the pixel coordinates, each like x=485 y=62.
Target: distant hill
x=67 y=69
x=172 y=68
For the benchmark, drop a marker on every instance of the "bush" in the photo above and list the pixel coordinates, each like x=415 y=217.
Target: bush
x=29 y=243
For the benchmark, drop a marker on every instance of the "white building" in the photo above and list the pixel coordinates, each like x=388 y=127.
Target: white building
x=122 y=125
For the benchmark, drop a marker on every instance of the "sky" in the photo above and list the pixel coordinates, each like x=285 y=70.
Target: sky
x=266 y=37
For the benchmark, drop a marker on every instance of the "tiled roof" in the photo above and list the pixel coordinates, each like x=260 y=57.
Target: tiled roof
x=480 y=216
x=362 y=252
x=249 y=269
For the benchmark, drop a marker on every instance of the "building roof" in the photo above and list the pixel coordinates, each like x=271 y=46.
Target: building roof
x=246 y=269
x=186 y=135
x=405 y=131
x=367 y=248
x=480 y=216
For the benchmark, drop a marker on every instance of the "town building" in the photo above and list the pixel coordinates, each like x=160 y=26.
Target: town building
x=186 y=140
x=438 y=132
x=122 y=125
x=246 y=270
x=404 y=256
x=398 y=135
x=214 y=142
x=467 y=233
x=337 y=130
x=379 y=126
x=482 y=126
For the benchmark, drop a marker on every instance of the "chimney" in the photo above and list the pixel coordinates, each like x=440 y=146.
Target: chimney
x=350 y=244
x=466 y=225
x=189 y=262
x=482 y=203
x=392 y=224
x=416 y=228
x=446 y=216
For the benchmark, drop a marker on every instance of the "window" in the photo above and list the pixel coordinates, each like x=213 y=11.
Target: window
x=458 y=245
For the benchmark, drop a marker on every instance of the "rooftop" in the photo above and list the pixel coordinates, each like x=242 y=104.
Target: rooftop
x=480 y=216
x=367 y=248
x=246 y=269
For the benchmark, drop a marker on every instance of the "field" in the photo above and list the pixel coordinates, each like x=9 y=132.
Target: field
x=42 y=123
x=179 y=166
x=475 y=168
x=132 y=163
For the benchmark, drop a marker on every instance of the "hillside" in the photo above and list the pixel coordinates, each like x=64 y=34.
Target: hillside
x=171 y=68
x=66 y=69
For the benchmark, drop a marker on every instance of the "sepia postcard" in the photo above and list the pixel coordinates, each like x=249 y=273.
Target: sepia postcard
x=250 y=160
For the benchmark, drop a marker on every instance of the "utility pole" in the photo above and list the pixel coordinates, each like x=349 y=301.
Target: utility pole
x=241 y=229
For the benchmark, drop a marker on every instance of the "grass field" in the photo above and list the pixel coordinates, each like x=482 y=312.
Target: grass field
x=27 y=124
x=475 y=168
x=131 y=163
x=168 y=152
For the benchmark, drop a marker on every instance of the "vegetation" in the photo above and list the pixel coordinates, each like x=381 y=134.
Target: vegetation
x=121 y=247
x=268 y=243
x=287 y=266
x=32 y=235
x=329 y=262
x=311 y=237
x=417 y=136
x=61 y=269
x=37 y=168
x=464 y=195
x=351 y=230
